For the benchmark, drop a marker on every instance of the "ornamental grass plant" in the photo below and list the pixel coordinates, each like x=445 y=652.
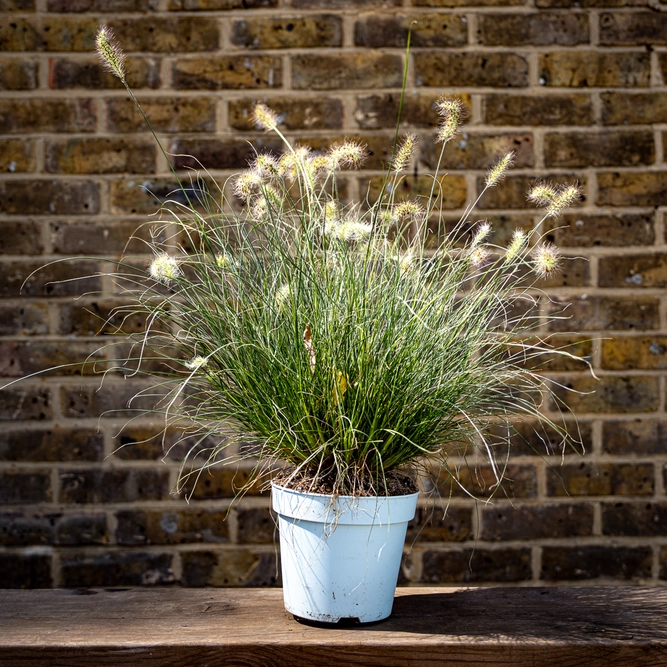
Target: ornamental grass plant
x=344 y=340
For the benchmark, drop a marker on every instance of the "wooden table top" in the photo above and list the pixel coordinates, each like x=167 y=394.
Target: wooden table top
x=536 y=627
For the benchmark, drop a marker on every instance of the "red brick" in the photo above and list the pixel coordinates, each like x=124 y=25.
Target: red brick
x=595 y=561
x=599 y=149
x=531 y=522
x=18 y=74
x=231 y=567
x=583 y=230
x=25 y=487
x=171 y=526
x=100 y=156
x=601 y=479
x=178 y=34
x=287 y=32
x=572 y=109
x=59 y=279
x=635 y=28
x=22 y=570
x=470 y=69
x=540 y=29
x=610 y=394
x=21 y=402
x=113 y=485
x=434 y=524
x=634 y=353
x=116 y=569
x=634 y=519
x=635 y=437
x=428 y=30
x=66 y=73
x=227 y=72
x=475 y=565
x=49 y=357
x=166 y=114
x=645 y=270
x=346 y=70
x=588 y=69
x=294 y=113
x=47 y=115
x=633 y=108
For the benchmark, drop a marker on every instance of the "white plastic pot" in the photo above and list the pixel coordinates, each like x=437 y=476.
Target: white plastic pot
x=340 y=558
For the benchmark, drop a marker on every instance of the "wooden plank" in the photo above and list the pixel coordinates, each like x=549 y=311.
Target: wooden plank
x=518 y=627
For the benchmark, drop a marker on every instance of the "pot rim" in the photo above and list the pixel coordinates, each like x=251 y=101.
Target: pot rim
x=330 y=495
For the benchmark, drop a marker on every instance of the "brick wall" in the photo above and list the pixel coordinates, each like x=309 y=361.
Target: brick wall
x=576 y=88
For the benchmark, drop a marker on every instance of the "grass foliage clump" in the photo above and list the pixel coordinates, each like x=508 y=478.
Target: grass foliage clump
x=344 y=338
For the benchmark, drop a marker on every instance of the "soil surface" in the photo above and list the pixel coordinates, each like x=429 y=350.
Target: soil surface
x=395 y=483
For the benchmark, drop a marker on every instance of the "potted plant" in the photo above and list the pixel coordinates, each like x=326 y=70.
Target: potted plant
x=343 y=343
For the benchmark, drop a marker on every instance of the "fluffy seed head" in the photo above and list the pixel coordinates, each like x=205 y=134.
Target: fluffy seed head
x=481 y=232
x=164 y=268
x=265 y=166
x=546 y=259
x=516 y=245
x=542 y=194
x=196 y=363
x=404 y=153
x=409 y=209
x=349 y=230
x=500 y=169
x=265 y=118
x=452 y=112
x=566 y=196
x=110 y=53
x=282 y=294
x=348 y=154
x=247 y=184
x=223 y=261
x=479 y=255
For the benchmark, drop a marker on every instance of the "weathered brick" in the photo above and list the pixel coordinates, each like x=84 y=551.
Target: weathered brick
x=540 y=29
x=99 y=238
x=294 y=113
x=590 y=3
x=222 y=482
x=227 y=72
x=479 y=151
x=24 y=320
x=256 y=526
x=590 y=69
x=601 y=479
x=593 y=562
x=377 y=148
x=20 y=34
x=17 y=5
x=56 y=444
x=434 y=524
x=530 y=439
x=513 y=191
x=287 y=32
x=609 y=394
x=221 y=153
x=117 y=399
x=17 y=155
x=470 y=69
x=166 y=114
x=74 y=34
x=536 y=522
x=584 y=230
x=116 y=569
x=346 y=70
x=100 y=156
x=633 y=28
x=50 y=358
x=377 y=111
x=579 y=352
x=466 y=3
x=171 y=526
x=66 y=73
x=98 y=317
x=113 y=486
x=26 y=403
x=634 y=437
x=475 y=565
x=58 y=279
x=646 y=270
x=218 y=5
x=21 y=237
x=24 y=529
x=107 y=6
x=49 y=197
x=572 y=109
x=46 y=115
x=139 y=443
x=148 y=196
x=662 y=64
x=591 y=313
x=634 y=519
x=663 y=563
x=599 y=149
x=18 y=74
x=167 y=35
x=237 y=567
x=636 y=352
x=21 y=488
x=25 y=570
x=428 y=30
x=450 y=191
x=479 y=481
x=633 y=108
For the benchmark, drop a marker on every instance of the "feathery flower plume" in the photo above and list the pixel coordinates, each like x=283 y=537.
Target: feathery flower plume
x=542 y=194
x=265 y=166
x=282 y=294
x=110 y=53
x=223 y=261
x=164 y=268
x=347 y=154
x=500 y=169
x=565 y=196
x=330 y=210
x=196 y=363
x=479 y=255
x=265 y=118
x=350 y=230
x=482 y=231
x=452 y=112
x=246 y=185
x=546 y=259
x=517 y=243
x=404 y=153
x=409 y=209
x=288 y=162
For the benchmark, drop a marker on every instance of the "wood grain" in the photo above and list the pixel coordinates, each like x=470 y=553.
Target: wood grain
x=517 y=627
